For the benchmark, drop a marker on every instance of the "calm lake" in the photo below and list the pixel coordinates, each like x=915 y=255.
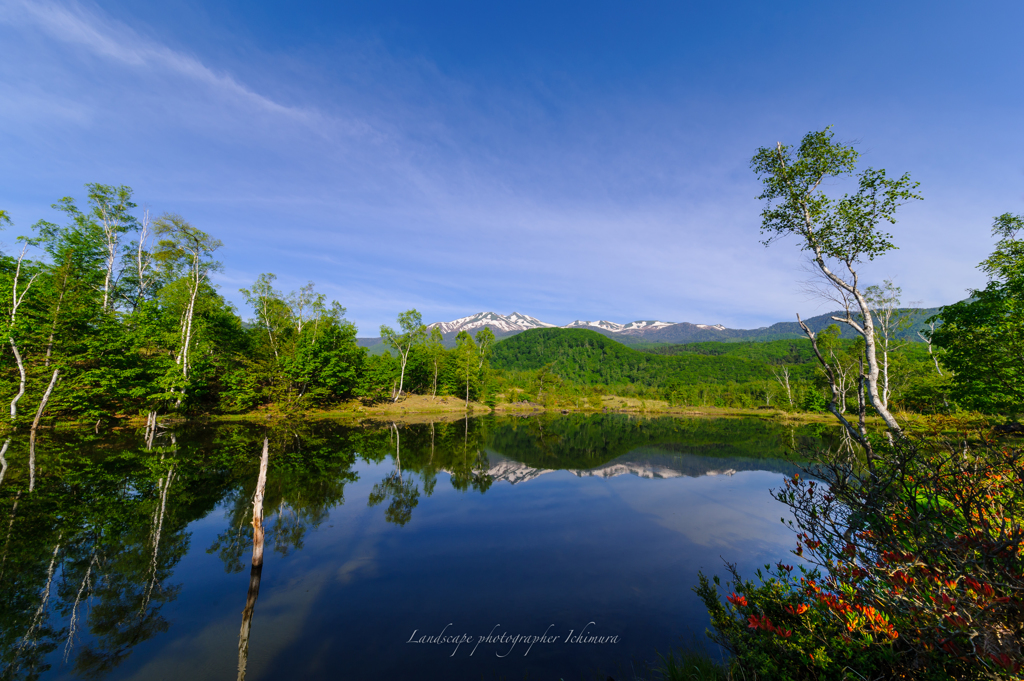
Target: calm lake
x=122 y=562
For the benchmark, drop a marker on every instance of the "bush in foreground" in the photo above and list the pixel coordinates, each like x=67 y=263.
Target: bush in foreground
x=916 y=571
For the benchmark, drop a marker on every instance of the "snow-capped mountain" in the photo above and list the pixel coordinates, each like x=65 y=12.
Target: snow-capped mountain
x=646 y=325
x=604 y=325
x=520 y=322
x=512 y=323
x=504 y=326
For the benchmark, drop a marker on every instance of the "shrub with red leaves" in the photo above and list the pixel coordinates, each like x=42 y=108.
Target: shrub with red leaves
x=923 y=561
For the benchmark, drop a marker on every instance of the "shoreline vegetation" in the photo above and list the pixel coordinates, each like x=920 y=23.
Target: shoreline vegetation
x=411 y=408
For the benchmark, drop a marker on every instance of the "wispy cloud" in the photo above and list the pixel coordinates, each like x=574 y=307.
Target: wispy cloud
x=74 y=24
x=395 y=182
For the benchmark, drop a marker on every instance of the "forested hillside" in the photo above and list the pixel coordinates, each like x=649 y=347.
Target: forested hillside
x=743 y=374
x=588 y=357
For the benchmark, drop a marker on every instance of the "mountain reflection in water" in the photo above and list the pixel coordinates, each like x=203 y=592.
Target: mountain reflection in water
x=109 y=549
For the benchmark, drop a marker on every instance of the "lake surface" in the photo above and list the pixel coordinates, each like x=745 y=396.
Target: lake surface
x=122 y=562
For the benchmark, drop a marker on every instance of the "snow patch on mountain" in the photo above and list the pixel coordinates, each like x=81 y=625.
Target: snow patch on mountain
x=603 y=324
x=517 y=321
x=511 y=323
x=637 y=327
x=645 y=325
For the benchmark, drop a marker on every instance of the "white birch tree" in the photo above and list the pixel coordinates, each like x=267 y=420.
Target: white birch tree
x=17 y=298
x=412 y=333
x=839 y=233
x=268 y=304
x=891 y=319
x=433 y=347
x=185 y=251
x=111 y=208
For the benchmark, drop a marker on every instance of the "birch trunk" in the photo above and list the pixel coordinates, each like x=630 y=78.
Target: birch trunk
x=885 y=374
x=251 y=595
x=433 y=395
x=142 y=262
x=151 y=425
x=3 y=461
x=46 y=398
x=257 y=506
x=110 y=232
x=930 y=353
x=398 y=449
x=189 y=315
x=16 y=301
x=858 y=434
x=401 y=376
x=782 y=376
x=266 y=322
x=110 y=273
x=35 y=426
x=21 y=383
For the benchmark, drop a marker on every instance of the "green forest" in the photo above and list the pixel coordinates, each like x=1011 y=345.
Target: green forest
x=112 y=314
x=781 y=373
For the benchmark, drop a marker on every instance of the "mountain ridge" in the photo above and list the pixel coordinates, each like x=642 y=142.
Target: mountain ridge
x=649 y=332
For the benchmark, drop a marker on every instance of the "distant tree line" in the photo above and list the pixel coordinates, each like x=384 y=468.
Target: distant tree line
x=112 y=313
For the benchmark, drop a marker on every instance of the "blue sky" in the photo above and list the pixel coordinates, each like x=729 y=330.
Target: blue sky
x=569 y=160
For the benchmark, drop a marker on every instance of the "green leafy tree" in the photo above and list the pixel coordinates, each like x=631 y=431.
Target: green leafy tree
x=379 y=378
x=433 y=351
x=185 y=255
x=108 y=218
x=839 y=233
x=412 y=333
x=467 y=360
x=269 y=306
x=983 y=337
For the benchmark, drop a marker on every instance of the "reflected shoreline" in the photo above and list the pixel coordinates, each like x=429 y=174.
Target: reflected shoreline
x=95 y=526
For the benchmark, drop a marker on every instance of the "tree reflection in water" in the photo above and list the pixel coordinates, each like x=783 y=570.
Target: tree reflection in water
x=88 y=540
x=404 y=494
x=93 y=527
x=88 y=554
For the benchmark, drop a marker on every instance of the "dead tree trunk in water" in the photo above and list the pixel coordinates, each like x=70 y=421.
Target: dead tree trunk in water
x=257 y=563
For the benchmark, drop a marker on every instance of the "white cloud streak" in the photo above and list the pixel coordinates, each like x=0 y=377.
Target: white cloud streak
x=399 y=185
x=104 y=37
